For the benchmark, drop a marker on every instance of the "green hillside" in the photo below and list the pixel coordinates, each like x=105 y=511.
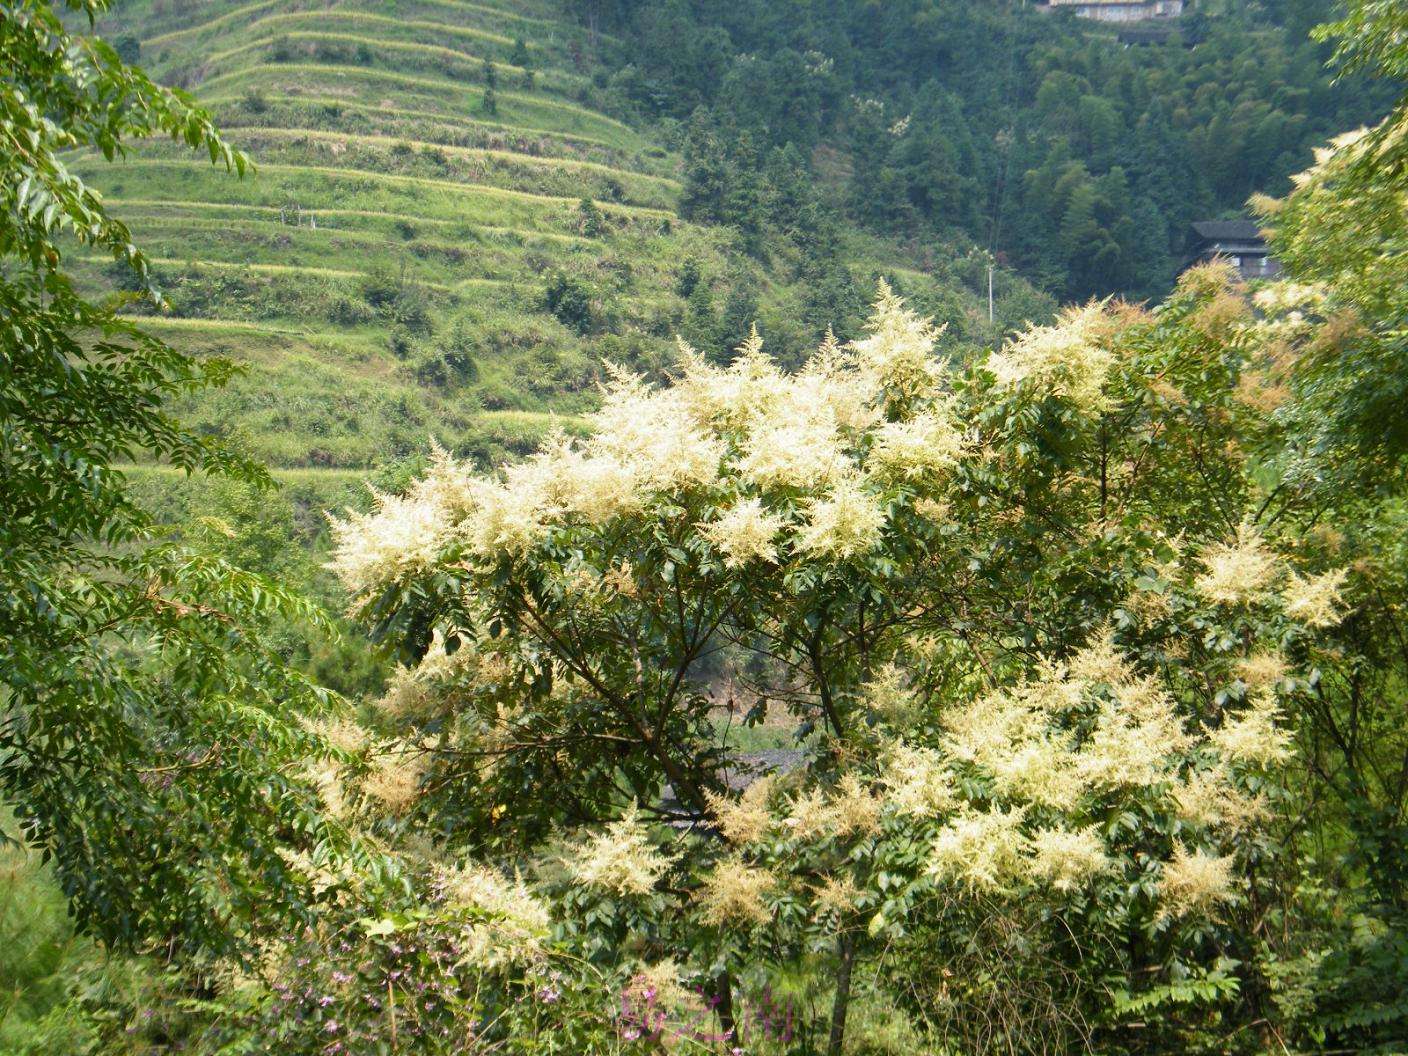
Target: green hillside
x=416 y=254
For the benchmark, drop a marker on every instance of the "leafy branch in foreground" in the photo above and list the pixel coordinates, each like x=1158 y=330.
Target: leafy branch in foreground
x=149 y=733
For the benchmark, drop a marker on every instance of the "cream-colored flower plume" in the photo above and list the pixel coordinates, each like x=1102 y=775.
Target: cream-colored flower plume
x=1069 y=358
x=1315 y=600
x=848 y=521
x=981 y=850
x=1254 y=735
x=621 y=859
x=745 y=532
x=1067 y=858
x=1195 y=882
x=746 y=819
x=734 y=892
x=1239 y=572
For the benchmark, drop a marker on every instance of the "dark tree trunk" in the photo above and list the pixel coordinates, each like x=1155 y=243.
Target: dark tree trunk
x=723 y=996
x=846 y=951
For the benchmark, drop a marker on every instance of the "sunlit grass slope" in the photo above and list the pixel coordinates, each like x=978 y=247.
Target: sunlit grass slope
x=414 y=256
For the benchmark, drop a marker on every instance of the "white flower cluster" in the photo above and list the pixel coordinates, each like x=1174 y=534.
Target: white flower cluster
x=621 y=859
x=517 y=921
x=1072 y=358
x=1022 y=743
x=793 y=462
x=1247 y=571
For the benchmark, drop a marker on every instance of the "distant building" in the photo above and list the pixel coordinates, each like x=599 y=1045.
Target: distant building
x=1239 y=242
x=1120 y=10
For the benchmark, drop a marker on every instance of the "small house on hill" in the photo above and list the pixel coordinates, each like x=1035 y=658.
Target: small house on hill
x=1237 y=241
x=1120 y=10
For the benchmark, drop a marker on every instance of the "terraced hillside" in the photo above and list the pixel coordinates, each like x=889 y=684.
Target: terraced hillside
x=441 y=238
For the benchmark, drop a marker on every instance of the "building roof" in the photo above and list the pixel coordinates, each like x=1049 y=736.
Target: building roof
x=1228 y=231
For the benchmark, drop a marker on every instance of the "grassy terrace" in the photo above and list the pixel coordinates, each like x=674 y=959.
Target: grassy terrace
x=369 y=122
x=332 y=114
x=216 y=215
x=548 y=180
x=388 y=89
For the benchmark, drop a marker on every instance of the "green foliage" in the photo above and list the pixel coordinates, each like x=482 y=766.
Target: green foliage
x=571 y=301
x=1342 y=333
x=43 y=960
x=592 y=221
x=159 y=661
x=1080 y=159
x=145 y=705
x=411 y=974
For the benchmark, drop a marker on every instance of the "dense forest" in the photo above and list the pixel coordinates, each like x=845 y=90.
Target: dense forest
x=1078 y=156
x=659 y=528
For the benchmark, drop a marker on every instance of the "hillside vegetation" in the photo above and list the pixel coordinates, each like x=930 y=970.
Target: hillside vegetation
x=1080 y=152
x=441 y=239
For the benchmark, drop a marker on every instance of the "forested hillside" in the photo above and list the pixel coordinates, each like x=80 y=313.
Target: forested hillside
x=1077 y=151
x=445 y=235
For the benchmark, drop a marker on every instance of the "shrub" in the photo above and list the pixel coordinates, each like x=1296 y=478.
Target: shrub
x=128 y=48
x=401 y=342
x=591 y=221
x=691 y=271
x=344 y=311
x=570 y=301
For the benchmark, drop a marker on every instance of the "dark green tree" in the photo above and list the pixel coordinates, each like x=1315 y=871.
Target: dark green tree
x=591 y=221
x=705 y=174
x=701 y=322
x=571 y=301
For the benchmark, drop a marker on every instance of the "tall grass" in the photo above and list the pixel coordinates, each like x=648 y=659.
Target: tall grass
x=42 y=962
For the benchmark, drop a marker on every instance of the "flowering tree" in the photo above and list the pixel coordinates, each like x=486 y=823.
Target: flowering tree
x=1028 y=616
x=1337 y=328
